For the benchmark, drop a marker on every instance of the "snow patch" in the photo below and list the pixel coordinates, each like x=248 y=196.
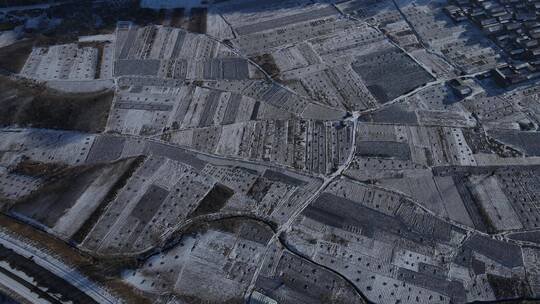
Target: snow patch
x=10 y=37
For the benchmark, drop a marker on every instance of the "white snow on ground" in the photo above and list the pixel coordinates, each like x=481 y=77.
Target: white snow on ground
x=168 y=4
x=8 y=37
x=81 y=86
x=17 y=287
x=97 y=38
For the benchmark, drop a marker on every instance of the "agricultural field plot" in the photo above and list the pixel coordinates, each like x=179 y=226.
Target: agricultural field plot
x=392 y=249
x=210 y=252
x=314 y=146
x=113 y=193
x=387 y=151
x=287 y=151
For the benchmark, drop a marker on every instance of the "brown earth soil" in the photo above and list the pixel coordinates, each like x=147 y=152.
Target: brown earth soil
x=213 y=201
x=29 y=105
x=268 y=64
x=13 y=57
x=64 y=186
x=197 y=22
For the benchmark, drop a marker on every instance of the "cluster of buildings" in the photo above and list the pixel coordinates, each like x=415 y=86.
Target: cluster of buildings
x=513 y=26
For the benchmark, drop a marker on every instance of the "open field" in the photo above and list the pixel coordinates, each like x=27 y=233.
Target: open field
x=28 y=105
